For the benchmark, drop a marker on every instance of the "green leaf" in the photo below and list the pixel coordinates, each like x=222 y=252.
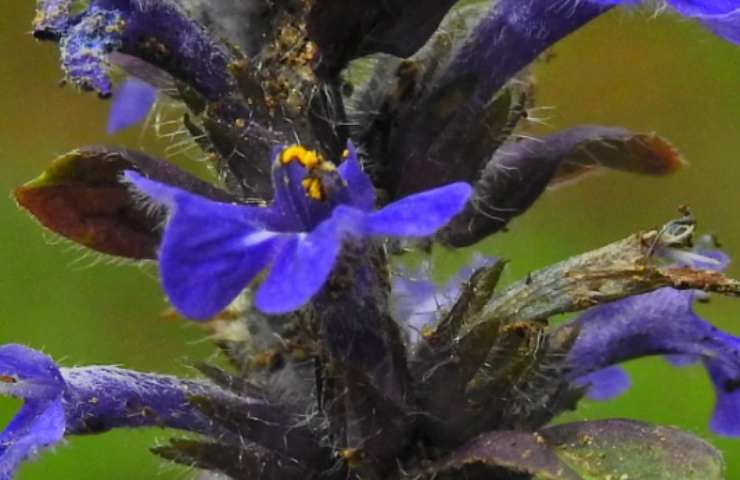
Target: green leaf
x=630 y=450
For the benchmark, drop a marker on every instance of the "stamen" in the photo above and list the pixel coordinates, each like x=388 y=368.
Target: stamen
x=309 y=159
x=8 y=379
x=314 y=163
x=313 y=188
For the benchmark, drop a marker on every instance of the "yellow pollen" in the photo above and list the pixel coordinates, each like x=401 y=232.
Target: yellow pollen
x=314 y=189
x=309 y=159
x=345 y=153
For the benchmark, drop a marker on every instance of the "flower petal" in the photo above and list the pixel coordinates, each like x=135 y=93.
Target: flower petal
x=210 y=251
x=130 y=105
x=34 y=377
x=605 y=384
x=293 y=209
x=421 y=214
x=726 y=415
x=38 y=425
x=361 y=190
x=300 y=270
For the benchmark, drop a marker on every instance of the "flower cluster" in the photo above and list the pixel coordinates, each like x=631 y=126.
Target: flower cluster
x=346 y=363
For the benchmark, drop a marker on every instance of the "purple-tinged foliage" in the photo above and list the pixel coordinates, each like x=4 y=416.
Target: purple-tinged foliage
x=158 y=32
x=720 y=16
x=85 y=48
x=323 y=384
x=660 y=322
x=398 y=27
x=519 y=172
x=418 y=303
x=210 y=251
x=131 y=104
x=507 y=39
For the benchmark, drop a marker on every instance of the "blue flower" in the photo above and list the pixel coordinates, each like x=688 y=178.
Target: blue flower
x=88 y=400
x=604 y=384
x=418 y=303
x=660 y=322
x=130 y=104
x=211 y=251
x=720 y=16
x=34 y=377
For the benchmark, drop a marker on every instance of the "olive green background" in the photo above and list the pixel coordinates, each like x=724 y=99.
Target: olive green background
x=663 y=74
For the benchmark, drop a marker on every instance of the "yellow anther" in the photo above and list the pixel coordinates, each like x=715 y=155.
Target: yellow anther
x=314 y=189
x=345 y=154
x=309 y=159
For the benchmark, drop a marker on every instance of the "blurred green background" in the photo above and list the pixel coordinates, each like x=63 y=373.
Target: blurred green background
x=653 y=74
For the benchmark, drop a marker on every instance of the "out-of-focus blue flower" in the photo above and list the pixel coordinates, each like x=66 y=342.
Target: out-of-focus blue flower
x=131 y=104
x=720 y=16
x=87 y=400
x=417 y=302
x=660 y=322
x=210 y=251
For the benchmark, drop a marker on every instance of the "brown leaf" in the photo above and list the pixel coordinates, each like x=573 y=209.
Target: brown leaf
x=618 y=149
x=80 y=196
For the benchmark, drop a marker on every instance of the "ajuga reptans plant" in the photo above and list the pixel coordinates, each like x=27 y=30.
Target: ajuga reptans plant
x=340 y=363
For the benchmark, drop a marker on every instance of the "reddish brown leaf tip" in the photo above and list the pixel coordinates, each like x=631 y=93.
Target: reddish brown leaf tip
x=80 y=198
x=658 y=155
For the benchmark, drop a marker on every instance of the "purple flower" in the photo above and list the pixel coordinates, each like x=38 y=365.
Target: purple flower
x=417 y=302
x=34 y=377
x=720 y=16
x=604 y=384
x=87 y=400
x=131 y=104
x=660 y=322
x=210 y=251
